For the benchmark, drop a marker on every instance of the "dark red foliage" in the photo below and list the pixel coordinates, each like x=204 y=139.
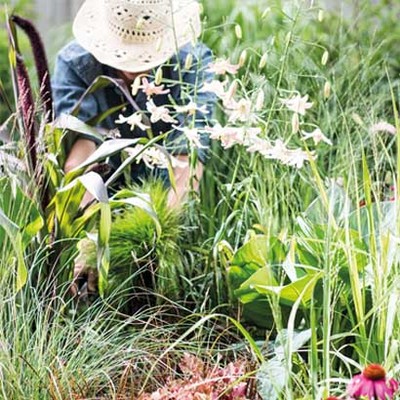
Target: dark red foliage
x=27 y=107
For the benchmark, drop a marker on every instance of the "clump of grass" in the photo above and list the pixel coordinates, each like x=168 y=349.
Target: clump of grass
x=142 y=260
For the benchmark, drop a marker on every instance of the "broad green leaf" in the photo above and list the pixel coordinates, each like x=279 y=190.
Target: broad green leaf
x=260 y=250
x=68 y=200
x=338 y=202
x=253 y=252
x=20 y=209
x=384 y=214
x=94 y=184
x=247 y=293
x=15 y=236
x=67 y=203
x=107 y=149
x=75 y=125
x=288 y=294
x=103 y=251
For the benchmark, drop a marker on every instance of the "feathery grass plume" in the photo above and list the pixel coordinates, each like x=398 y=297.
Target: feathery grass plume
x=27 y=106
x=41 y=63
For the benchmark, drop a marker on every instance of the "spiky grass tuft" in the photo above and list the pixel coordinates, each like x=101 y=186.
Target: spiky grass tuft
x=141 y=261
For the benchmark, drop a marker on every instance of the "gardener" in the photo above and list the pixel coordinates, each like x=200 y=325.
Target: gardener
x=129 y=39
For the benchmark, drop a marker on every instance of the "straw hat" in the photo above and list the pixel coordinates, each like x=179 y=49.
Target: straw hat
x=136 y=35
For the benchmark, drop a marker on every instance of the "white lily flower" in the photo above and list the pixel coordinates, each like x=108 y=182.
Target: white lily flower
x=317 y=136
x=216 y=87
x=295 y=158
x=154 y=157
x=192 y=135
x=297 y=104
x=230 y=136
x=240 y=111
x=133 y=120
x=259 y=145
x=191 y=108
x=159 y=113
x=222 y=66
x=150 y=88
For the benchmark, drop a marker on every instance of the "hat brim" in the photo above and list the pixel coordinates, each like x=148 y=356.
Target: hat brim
x=91 y=32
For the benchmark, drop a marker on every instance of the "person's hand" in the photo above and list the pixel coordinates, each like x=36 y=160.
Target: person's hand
x=84 y=282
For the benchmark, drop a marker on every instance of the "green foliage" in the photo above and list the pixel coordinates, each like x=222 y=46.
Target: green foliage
x=320 y=262
x=142 y=253
x=20 y=221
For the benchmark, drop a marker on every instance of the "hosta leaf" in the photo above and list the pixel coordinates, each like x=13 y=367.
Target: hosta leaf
x=247 y=293
x=303 y=287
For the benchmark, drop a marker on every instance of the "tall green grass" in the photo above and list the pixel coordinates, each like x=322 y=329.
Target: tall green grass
x=50 y=349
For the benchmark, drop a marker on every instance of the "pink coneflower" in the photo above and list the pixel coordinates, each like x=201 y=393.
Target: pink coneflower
x=372 y=384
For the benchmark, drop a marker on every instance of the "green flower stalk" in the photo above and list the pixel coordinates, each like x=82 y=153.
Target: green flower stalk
x=42 y=67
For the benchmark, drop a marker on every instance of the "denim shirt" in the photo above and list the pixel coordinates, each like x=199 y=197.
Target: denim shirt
x=76 y=69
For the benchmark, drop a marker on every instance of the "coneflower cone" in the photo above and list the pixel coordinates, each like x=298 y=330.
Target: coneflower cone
x=27 y=106
x=41 y=63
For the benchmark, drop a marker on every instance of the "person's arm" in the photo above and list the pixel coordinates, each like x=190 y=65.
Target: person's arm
x=80 y=151
x=176 y=143
x=69 y=83
x=182 y=181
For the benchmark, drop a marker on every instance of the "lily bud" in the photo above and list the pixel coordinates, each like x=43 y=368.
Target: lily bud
x=140 y=23
x=321 y=15
x=357 y=119
x=231 y=91
x=159 y=43
x=135 y=85
x=189 y=61
x=260 y=100
x=159 y=76
x=238 y=31
x=295 y=123
x=263 y=61
x=327 y=89
x=242 y=58
x=325 y=57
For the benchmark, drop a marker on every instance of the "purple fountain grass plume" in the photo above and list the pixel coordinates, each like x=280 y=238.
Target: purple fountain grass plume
x=27 y=106
x=41 y=63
